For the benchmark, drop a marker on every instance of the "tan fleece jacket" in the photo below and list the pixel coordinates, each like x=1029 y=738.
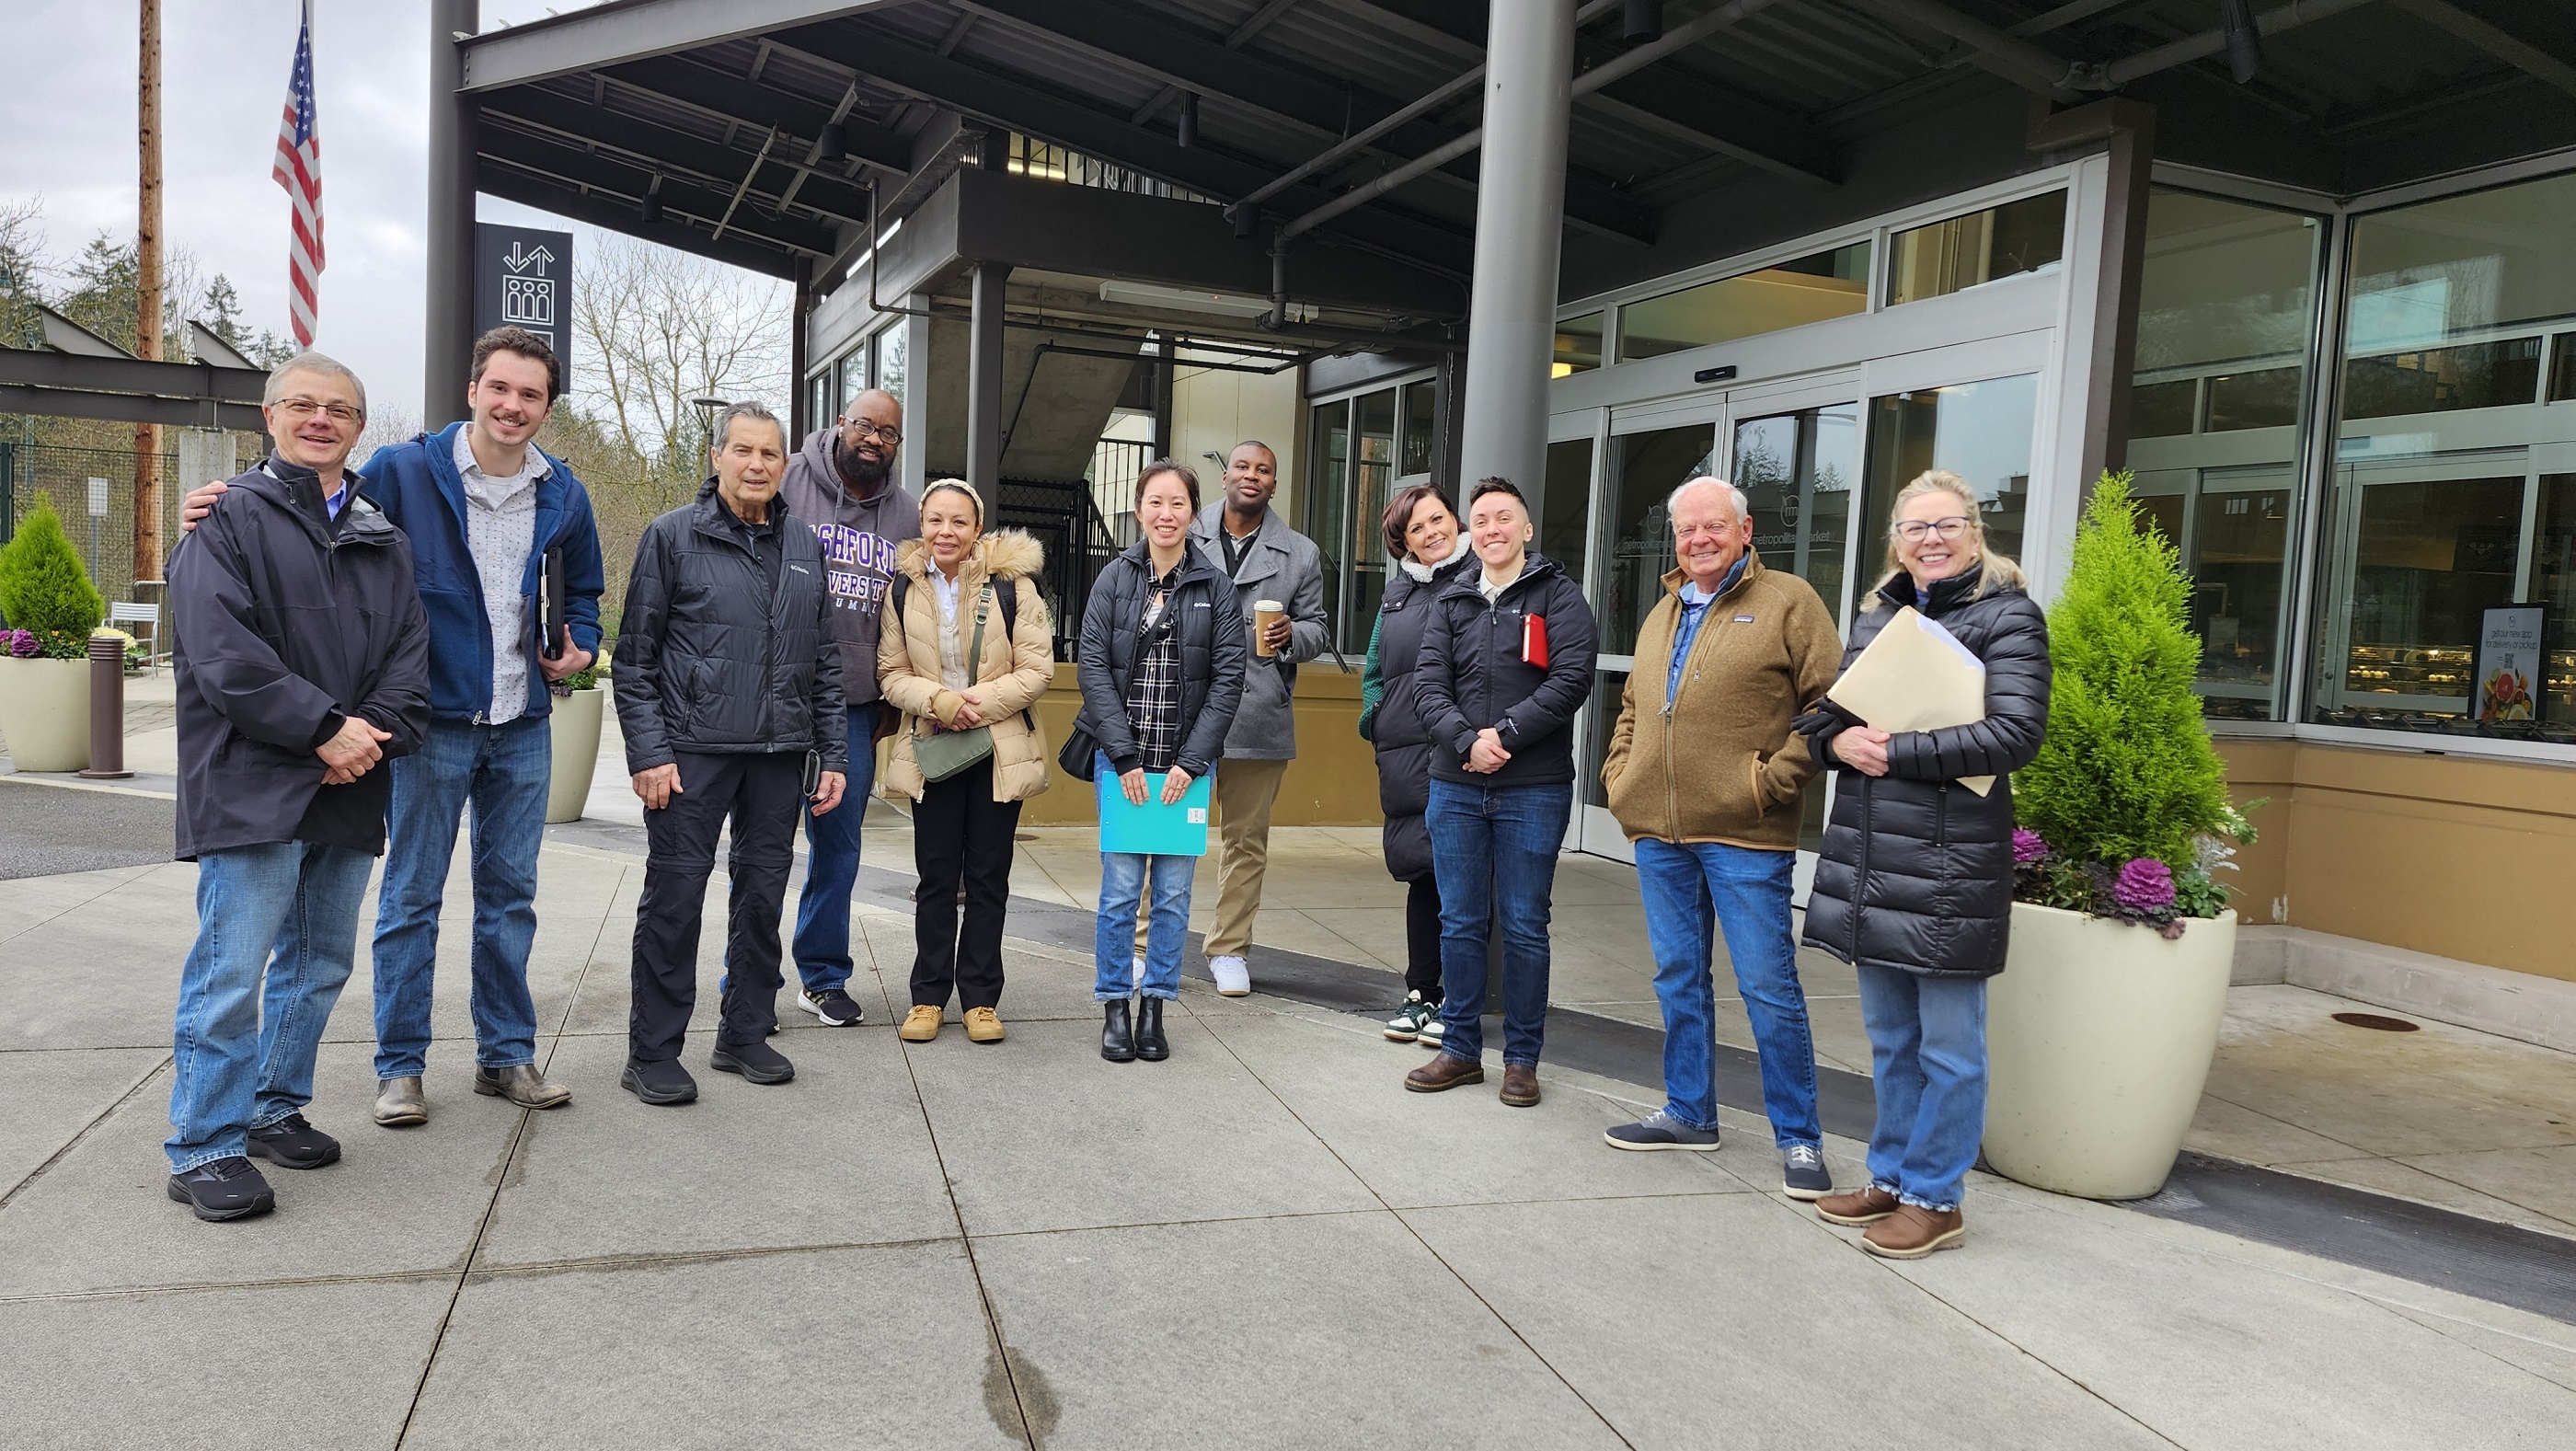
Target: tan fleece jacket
x=1721 y=763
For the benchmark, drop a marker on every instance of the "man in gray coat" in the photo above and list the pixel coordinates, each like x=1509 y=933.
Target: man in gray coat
x=1243 y=536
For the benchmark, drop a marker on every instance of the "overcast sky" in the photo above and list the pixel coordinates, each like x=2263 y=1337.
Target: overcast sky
x=68 y=113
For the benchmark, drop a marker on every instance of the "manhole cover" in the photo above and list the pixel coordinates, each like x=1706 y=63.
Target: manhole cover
x=2375 y=1020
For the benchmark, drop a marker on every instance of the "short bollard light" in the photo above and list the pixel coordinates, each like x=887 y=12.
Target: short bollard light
x=107 y=709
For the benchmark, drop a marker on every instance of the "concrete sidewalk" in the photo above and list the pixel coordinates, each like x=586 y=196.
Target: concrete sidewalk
x=1263 y=1242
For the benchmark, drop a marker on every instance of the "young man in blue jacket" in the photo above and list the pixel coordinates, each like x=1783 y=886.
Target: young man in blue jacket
x=485 y=509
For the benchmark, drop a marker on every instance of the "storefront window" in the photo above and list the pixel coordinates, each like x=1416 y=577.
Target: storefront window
x=1328 y=496
x=1373 y=431
x=2226 y=309
x=2451 y=494
x=1832 y=283
x=1796 y=472
x=1979 y=431
x=1578 y=345
x=1565 y=506
x=1421 y=404
x=1651 y=465
x=1952 y=256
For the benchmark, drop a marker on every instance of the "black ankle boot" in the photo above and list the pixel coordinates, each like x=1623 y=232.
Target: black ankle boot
x=1149 y=1031
x=1117 y=1043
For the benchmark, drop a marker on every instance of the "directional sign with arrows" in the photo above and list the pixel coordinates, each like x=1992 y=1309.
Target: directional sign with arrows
x=523 y=278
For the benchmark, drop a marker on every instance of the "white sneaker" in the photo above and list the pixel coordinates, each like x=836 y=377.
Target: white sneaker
x=1434 y=1032
x=1140 y=971
x=1233 y=977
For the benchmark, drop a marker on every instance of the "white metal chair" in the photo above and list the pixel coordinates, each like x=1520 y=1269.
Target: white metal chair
x=126 y=614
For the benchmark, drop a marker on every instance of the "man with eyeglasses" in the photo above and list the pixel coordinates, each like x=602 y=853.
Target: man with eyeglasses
x=490 y=516
x=302 y=668
x=1707 y=777
x=842 y=482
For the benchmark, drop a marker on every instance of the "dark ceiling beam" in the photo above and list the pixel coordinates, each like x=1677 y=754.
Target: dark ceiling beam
x=547 y=194
x=2514 y=51
x=644 y=143
x=607 y=34
x=733 y=98
x=1324 y=105
x=1689 y=108
x=1235 y=39
x=622 y=179
x=996 y=100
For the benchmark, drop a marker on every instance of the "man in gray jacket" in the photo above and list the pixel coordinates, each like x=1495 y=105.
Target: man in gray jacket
x=1243 y=536
x=842 y=483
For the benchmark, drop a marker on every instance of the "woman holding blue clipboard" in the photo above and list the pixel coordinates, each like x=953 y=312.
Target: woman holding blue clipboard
x=1161 y=668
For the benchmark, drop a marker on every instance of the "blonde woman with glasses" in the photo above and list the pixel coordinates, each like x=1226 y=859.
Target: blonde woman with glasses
x=1914 y=883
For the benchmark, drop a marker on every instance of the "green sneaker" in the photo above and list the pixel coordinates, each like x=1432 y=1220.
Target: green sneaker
x=1409 y=1020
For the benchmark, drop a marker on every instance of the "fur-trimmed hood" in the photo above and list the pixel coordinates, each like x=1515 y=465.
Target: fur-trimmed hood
x=1002 y=554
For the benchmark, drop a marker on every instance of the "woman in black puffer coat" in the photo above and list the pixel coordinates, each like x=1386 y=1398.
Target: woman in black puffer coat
x=1429 y=549
x=1914 y=884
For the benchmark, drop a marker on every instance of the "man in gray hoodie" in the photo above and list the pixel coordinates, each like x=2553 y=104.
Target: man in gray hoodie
x=843 y=483
x=1243 y=536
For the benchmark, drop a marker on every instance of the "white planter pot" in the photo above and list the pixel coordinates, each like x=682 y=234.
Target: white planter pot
x=44 y=711
x=576 y=747
x=2098 y=1041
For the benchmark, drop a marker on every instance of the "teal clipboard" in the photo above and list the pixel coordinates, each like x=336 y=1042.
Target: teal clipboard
x=1153 y=829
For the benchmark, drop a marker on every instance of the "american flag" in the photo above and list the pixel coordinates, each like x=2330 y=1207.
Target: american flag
x=299 y=170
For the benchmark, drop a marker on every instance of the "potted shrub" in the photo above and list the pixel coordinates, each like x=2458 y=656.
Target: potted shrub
x=579 y=703
x=2101 y=1028
x=51 y=606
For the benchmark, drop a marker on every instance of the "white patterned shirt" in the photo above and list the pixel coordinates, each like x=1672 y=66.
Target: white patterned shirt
x=500 y=531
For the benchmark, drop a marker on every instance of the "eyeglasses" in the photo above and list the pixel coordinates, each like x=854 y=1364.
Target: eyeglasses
x=1915 y=531
x=885 y=431
x=300 y=409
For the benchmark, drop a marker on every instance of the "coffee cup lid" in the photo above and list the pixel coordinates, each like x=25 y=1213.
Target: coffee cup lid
x=1272 y=605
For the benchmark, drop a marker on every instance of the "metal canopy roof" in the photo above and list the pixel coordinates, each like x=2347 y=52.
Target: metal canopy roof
x=714 y=108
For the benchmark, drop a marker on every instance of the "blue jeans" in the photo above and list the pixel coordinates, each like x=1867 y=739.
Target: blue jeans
x=242 y=1050
x=1123 y=876
x=1927 y=1048
x=1489 y=842
x=1690 y=889
x=832 y=866
x=504 y=771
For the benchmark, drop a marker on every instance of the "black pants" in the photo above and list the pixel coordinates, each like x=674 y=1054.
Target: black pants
x=1422 y=937
x=959 y=830
x=761 y=795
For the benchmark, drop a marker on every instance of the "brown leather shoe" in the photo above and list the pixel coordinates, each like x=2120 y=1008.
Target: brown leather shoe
x=1520 y=1085
x=983 y=1025
x=1866 y=1205
x=920 y=1025
x=1445 y=1070
x=1913 y=1232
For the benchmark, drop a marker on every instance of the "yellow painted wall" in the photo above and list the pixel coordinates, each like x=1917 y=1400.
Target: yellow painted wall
x=1333 y=781
x=2457 y=856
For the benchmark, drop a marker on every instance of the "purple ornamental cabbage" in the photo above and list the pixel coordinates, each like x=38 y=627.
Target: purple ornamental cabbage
x=2029 y=846
x=2144 y=885
x=22 y=644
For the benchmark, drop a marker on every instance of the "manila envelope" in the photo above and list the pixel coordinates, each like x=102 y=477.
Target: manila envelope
x=1916 y=676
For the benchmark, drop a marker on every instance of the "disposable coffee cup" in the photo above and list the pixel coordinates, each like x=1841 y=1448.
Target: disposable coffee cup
x=1263 y=612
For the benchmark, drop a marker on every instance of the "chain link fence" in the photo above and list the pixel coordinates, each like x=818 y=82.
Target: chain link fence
x=92 y=489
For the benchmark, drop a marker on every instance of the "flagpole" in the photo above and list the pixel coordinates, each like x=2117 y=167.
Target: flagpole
x=147 y=309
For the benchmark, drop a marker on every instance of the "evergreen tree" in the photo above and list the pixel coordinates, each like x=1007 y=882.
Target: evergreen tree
x=2127 y=769
x=43 y=586
x=222 y=317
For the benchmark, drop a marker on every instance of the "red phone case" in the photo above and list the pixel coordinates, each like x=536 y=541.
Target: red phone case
x=1534 y=640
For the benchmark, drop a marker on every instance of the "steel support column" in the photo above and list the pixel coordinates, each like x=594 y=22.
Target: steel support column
x=984 y=382
x=2130 y=129
x=1520 y=216
x=800 y=390
x=448 y=349
x=1166 y=367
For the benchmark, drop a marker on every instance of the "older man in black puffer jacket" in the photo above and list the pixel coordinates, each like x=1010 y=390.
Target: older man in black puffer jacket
x=729 y=695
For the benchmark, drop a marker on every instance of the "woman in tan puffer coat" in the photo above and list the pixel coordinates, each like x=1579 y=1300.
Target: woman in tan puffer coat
x=953 y=584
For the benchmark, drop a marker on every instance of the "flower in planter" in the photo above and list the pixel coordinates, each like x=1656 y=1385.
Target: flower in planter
x=2029 y=847
x=20 y=644
x=2144 y=885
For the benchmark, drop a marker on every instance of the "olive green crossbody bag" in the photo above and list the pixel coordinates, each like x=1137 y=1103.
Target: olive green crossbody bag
x=943 y=753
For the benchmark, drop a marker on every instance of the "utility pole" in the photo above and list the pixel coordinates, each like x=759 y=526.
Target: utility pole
x=147 y=306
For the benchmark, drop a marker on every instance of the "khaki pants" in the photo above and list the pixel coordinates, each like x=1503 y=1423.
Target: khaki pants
x=1243 y=793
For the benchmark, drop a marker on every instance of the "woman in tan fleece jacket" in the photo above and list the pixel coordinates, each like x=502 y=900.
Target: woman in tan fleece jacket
x=954 y=586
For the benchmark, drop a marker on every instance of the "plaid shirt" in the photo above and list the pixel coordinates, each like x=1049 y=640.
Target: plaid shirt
x=1154 y=691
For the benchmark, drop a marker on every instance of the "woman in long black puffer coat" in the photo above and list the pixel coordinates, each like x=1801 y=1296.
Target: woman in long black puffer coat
x=1429 y=548
x=1914 y=884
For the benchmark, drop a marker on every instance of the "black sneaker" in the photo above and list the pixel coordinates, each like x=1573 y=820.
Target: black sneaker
x=836 y=1008
x=756 y=1062
x=1660 y=1130
x=659 y=1083
x=225 y=1189
x=291 y=1143
x=1803 y=1174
